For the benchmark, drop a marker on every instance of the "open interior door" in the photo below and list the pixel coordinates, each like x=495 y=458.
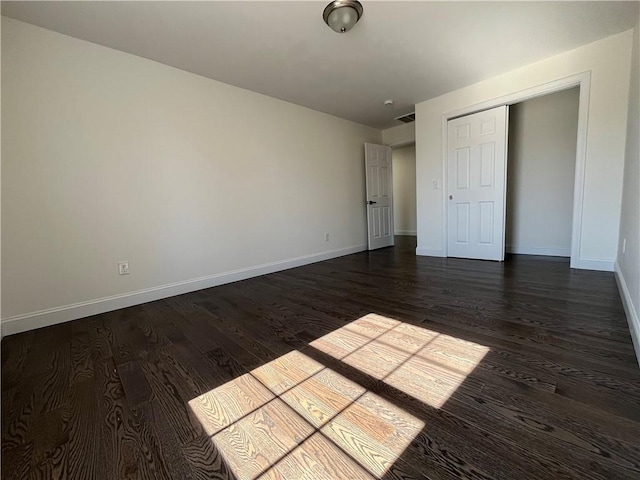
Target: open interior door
x=476 y=185
x=379 y=179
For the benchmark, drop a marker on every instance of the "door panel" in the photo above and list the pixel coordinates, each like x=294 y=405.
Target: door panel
x=476 y=185
x=487 y=164
x=462 y=168
x=462 y=220
x=375 y=231
x=486 y=223
x=386 y=221
x=379 y=179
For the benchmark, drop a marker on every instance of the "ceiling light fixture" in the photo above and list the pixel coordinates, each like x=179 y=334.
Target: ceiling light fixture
x=342 y=15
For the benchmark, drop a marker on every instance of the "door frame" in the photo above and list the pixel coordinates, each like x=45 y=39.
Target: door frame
x=582 y=80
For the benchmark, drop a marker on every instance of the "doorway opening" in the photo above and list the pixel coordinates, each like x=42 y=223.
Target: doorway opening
x=541 y=163
x=582 y=82
x=404 y=190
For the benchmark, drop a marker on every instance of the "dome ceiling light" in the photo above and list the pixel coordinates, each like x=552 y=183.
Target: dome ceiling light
x=342 y=15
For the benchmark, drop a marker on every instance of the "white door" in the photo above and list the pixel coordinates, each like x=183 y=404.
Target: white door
x=377 y=160
x=476 y=185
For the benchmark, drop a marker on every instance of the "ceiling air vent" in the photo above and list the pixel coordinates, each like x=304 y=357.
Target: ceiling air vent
x=408 y=118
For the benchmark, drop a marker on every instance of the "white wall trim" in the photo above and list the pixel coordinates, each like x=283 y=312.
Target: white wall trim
x=549 y=250
x=405 y=232
x=51 y=316
x=583 y=80
x=426 y=252
x=600 y=264
x=632 y=315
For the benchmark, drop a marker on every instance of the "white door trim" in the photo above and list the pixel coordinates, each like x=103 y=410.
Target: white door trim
x=583 y=80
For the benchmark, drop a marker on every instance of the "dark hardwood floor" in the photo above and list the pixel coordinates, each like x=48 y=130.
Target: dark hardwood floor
x=375 y=365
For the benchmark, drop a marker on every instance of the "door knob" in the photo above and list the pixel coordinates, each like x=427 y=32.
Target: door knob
x=371 y=202
x=450 y=197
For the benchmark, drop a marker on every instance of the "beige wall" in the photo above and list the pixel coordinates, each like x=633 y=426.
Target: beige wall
x=540 y=174
x=628 y=261
x=107 y=156
x=608 y=63
x=400 y=136
x=404 y=190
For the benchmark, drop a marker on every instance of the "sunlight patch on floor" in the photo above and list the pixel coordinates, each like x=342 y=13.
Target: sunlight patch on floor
x=295 y=418
x=420 y=362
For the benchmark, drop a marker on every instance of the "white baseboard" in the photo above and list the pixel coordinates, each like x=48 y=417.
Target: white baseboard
x=51 y=316
x=549 y=251
x=630 y=310
x=426 y=252
x=405 y=232
x=583 y=263
x=594 y=264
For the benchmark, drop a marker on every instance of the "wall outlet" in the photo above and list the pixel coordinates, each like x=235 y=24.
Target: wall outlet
x=435 y=184
x=123 y=268
x=624 y=245
x=326 y=237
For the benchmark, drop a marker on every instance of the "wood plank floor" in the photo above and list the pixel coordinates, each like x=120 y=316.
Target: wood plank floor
x=375 y=365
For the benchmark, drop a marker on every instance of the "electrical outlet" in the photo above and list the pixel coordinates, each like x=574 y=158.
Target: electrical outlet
x=326 y=237
x=435 y=184
x=123 y=268
x=624 y=245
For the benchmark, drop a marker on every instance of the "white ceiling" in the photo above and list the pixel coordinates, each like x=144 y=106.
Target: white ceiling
x=406 y=51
